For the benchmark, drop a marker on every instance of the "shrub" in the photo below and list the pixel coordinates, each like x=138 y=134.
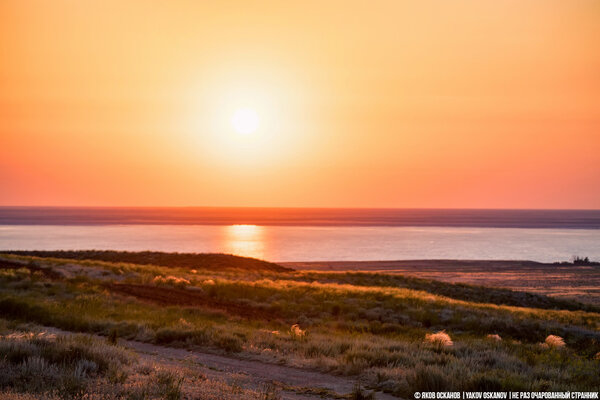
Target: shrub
x=494 y=337
x=441 y=339
x=428 y=378
x=116 y=374
x=42 y=363
x=269 y=391
x=229 y=343
x=170 y=384
x=296 y=332
x=359 y=394
x=171 y=281
x=84 y=368
x=178 y=335
x=113 y=336
x=554 y=341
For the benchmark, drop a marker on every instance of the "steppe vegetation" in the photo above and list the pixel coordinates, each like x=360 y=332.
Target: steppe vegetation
x=390 y=333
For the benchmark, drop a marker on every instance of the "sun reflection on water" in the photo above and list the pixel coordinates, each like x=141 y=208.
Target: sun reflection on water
x=245 y=240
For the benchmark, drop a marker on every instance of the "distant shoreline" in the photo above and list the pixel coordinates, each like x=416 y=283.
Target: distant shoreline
x=430 y=264
x=323 y=217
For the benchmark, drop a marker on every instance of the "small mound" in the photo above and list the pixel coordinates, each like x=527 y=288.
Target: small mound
x=208 y=261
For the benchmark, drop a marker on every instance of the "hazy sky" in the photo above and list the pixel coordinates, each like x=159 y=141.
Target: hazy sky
x=486 y=104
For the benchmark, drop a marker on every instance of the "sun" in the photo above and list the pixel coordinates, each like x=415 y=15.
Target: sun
x=245 y=120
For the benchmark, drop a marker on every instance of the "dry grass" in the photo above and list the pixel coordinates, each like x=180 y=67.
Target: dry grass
x=296 y=332
x=359 y=324
x=494 y=337
x=48 y=367
x=52 y=364
x=554 y=341
x=439 y=339
x=170 y=280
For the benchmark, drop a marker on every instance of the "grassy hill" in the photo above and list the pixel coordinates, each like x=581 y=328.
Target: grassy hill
x=382 y=330
x=208 y=261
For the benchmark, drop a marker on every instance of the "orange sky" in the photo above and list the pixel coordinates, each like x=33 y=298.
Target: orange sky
x=483 y=104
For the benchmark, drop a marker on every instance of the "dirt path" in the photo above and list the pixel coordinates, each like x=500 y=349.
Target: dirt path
x=295 y=383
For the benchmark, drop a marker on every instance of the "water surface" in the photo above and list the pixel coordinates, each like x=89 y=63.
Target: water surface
x=315 y=243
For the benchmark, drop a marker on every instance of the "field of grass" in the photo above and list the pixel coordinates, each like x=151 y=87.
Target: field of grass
x=371 y=327
x=55 y=367
x=579 y=279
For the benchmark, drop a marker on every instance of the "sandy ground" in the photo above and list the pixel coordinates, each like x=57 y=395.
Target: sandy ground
x=567 y=281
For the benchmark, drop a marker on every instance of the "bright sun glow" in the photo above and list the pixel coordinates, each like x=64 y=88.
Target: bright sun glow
x=245 y=120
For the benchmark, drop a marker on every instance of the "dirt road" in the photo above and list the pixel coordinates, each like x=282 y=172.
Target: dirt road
x=295 y=383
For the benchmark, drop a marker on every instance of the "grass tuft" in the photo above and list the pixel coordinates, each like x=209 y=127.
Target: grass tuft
x=441 y=339
x=554 y=341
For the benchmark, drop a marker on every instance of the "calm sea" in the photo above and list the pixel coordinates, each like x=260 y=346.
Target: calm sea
x=311 y=234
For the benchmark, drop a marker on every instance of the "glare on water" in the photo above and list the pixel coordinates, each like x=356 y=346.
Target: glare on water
x=244 y=240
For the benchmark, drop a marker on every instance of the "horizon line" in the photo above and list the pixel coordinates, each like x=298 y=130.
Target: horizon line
x=294 y=207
